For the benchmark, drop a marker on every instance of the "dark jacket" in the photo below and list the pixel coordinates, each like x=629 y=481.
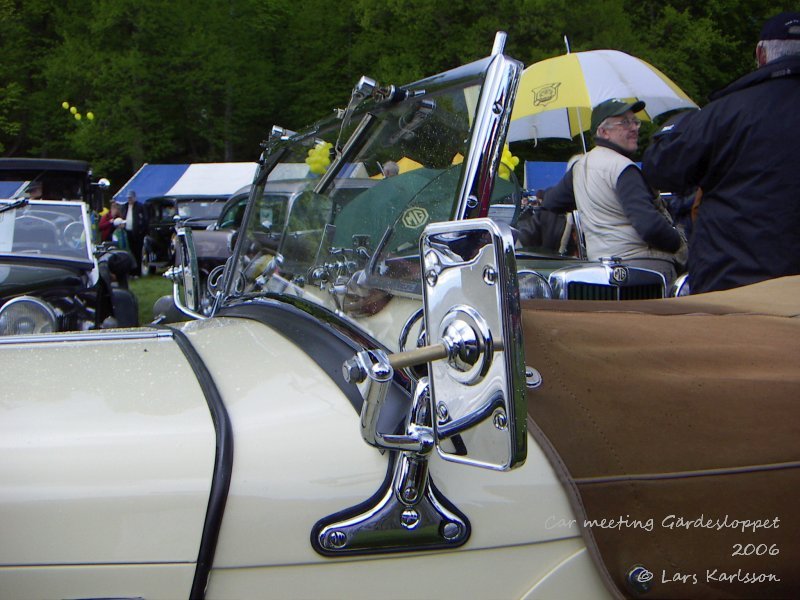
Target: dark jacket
x=743 y=151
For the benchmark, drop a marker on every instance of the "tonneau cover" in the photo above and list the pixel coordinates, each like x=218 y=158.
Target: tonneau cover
x=678 y=418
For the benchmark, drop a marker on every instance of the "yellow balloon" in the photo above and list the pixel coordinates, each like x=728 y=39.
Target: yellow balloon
x=65 y=105
x=318 y=158
x=507 y=163
x=90 y=116
x=73 y=110
x=77 y=116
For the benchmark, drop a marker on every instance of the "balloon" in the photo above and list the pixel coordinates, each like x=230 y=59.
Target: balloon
x=319 y=158
x=508 y=163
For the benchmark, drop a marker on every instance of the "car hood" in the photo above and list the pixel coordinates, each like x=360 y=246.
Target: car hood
x=27 y=278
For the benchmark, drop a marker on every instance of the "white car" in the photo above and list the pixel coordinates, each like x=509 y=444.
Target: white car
x=371 y=411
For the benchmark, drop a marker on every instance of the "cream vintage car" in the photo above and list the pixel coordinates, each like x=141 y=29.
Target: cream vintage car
x=371 y=411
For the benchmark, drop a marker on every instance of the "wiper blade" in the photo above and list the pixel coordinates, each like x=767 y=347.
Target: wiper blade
x=13 y=205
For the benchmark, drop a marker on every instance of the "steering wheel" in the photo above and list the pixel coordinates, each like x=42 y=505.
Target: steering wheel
x=73 y=234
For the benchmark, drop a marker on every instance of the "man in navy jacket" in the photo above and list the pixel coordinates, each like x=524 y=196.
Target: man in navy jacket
x=743 y=151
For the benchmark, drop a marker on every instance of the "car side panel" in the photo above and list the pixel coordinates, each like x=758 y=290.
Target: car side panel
x=107 y=452
x=299 y=457
x=298 y=454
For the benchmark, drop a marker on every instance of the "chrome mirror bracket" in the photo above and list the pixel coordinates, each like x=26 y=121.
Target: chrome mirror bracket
x=409 y=514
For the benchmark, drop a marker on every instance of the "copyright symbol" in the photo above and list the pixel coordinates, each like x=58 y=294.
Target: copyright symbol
x=643 y=576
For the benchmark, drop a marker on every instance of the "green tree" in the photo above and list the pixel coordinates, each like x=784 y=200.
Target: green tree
x=203 y=80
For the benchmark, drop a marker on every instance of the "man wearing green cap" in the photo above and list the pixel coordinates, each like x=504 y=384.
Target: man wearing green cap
x=619 y=211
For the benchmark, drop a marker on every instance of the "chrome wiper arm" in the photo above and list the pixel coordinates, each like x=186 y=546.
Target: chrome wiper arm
x=13 y=205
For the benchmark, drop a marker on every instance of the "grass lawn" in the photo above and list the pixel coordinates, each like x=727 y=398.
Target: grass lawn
x=147 y=290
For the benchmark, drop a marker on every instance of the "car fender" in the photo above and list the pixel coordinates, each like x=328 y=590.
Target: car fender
x=102 y=467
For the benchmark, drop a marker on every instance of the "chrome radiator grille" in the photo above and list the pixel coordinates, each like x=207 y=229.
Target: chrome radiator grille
x=592 y=291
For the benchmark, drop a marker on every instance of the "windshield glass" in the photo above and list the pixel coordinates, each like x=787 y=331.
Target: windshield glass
x=52 y=230
x=404 y=174
x=196 y=208
x=348 y=237
x=44 y=184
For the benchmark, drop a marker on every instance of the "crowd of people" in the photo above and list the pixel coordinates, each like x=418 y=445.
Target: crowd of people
x=733 y=168
x=125 y=226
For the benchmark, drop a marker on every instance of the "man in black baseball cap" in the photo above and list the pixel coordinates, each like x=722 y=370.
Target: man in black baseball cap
x=785 y=26
x=780 y=36
x=619 y=213
x=743 y=151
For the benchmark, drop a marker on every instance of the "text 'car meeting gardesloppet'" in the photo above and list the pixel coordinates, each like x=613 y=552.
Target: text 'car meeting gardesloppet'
x=371 y=408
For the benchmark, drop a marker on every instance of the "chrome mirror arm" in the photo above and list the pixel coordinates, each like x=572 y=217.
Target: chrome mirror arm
x=372 y=371
x=463 y=345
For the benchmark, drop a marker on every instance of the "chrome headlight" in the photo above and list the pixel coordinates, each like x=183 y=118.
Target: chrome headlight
x=533 y=285
x=680 y=287
x=27 y=315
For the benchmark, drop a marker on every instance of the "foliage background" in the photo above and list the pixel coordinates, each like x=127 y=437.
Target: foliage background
x=204 y=80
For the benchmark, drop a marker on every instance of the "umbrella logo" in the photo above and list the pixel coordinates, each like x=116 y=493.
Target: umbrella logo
x=545 y=94
x=415 y=217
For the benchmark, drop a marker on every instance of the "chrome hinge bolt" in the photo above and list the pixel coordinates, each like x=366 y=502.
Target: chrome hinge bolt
x=451 y=531
x=409 y=519
x=500 y=421
x=336 y=539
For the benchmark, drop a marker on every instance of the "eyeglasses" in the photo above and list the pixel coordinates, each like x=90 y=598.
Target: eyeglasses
x=625 y=123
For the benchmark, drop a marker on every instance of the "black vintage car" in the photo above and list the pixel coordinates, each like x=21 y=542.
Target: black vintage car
x=52 y=276
x=52 y=179
x=162 y=213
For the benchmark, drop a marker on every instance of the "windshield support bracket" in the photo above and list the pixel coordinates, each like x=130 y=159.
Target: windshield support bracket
x=407 y=513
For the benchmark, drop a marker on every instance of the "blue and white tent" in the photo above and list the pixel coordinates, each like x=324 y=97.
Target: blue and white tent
x=198 y=179
x=540 y=175
x=11 y=189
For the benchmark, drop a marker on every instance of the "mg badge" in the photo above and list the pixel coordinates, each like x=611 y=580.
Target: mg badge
x=619 y=274
x=544 y=95
x=415 y=217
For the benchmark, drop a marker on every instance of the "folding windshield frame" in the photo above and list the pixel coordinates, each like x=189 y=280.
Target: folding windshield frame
x=498 y=77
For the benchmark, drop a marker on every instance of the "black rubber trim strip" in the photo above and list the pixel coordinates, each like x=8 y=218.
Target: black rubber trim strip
x=223 y=465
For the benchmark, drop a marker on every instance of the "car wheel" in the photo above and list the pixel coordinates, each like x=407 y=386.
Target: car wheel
x=147 y=266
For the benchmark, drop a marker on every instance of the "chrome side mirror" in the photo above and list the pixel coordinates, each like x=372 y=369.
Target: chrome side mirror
x=185 y=275
x=471 y=407
x=471 y=305
x=476 y=364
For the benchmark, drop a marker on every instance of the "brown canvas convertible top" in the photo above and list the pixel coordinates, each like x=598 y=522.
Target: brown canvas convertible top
x=677 y=421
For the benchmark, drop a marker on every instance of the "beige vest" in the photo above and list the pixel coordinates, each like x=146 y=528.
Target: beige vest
x=605 y=226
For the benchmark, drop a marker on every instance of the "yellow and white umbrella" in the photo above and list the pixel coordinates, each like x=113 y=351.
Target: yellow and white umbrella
x=556 y=95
